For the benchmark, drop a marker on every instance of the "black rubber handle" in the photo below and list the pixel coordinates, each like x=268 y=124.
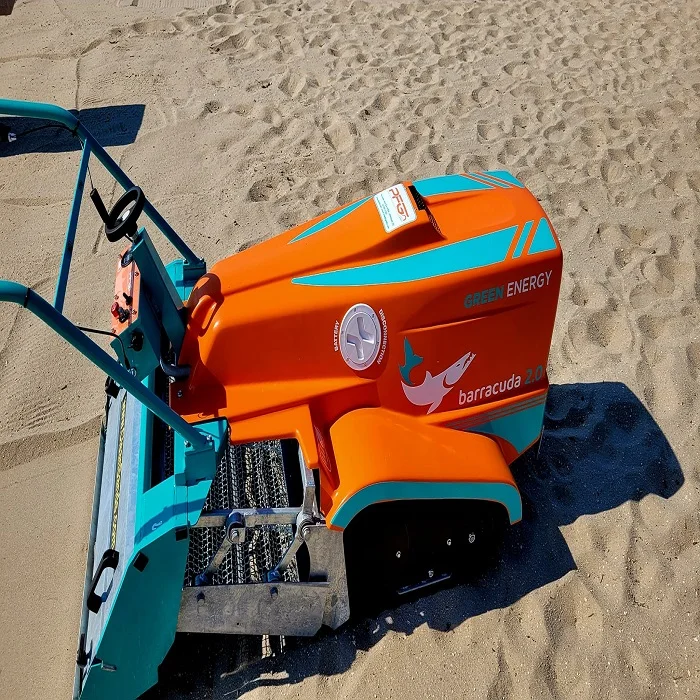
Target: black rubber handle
x=99 y=205
x=110 y=560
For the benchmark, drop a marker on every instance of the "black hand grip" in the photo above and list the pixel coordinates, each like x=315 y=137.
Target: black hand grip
x=99 y=205
x=109 y=560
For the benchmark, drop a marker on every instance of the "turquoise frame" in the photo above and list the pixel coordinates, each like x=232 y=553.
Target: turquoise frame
x=192 y=268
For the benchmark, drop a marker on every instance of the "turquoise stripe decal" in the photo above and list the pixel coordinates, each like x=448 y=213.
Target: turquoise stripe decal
x=329 y=220
x=481 y=251
x=448 y=184
x=522 y=239
x=520 y=429
x=506 y=494
x=505 y=176
x=543 y=240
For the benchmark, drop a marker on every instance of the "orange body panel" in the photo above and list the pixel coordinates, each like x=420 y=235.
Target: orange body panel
x=463 y=288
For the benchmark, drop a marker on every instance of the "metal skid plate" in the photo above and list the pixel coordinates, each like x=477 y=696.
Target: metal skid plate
x=259 y=608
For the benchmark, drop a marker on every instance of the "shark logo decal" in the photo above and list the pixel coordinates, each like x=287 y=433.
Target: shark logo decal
x=433 y=389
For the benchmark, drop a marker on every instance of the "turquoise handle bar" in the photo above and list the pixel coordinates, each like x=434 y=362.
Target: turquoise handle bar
x=29 y=299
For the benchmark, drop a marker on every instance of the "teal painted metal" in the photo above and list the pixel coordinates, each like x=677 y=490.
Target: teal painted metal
x=477 y=252
x=543 y=240
x=19 y=294
x=62 y=281
x=505 y=176
x=39 y=110
x=506 y=494
x=448 y=184
x=142 y=622
x=523 y=237
x=184 y=276
x=329 y=220
x=520 y=429
x=161 y=290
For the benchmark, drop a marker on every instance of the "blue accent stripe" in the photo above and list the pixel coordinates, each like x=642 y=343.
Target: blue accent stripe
x=543 y=240
x=329 y=220
x=491 y=180
x=506 y=494
x=472 y=253
x=505 y=176
x=448 y=184
x=520 y=429
x=523 y=237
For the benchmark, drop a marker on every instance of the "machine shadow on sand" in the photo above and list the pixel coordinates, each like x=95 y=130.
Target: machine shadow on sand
x=114 y=125
x=601 y=448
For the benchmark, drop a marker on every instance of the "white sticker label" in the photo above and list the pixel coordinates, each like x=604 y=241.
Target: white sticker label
x=395 y=208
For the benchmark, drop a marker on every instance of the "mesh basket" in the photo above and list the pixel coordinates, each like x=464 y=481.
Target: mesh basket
x=248 y=476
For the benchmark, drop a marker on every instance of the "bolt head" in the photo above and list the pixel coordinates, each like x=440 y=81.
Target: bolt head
x=179 y=393
x=449 y=542
x=431 y=573
x=398 y=555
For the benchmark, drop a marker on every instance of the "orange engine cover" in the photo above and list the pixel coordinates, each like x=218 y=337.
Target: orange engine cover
x=435 y=300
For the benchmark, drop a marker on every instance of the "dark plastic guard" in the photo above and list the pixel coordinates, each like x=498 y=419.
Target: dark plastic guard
x=110 y=560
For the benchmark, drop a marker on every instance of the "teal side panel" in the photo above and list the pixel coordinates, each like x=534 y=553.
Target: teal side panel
x=329 y=220
x=184 y=276
x=448 y=184
x=480 y=251
x=520 y=429
x=506 y=494
x=142 y=622
x=543 y=240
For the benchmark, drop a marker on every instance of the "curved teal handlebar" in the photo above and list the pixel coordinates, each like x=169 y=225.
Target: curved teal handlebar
x=39 y=110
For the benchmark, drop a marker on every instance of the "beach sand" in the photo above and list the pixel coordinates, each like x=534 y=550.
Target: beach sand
x=255 y=116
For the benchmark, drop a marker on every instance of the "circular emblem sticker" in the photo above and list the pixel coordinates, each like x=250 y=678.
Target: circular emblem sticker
x=360 y=337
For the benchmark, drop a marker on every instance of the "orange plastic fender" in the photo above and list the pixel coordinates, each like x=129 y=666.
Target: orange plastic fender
x=382 y=455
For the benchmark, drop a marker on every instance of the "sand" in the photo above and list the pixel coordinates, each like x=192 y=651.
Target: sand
x=259 y=115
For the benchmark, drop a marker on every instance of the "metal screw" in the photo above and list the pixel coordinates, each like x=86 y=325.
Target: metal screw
x=449 y=542
x=398 y=555
x=431 y=573
x=179 y=393
x=274 y=592
x=472 y=538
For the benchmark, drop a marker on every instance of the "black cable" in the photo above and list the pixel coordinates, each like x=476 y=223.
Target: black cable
x=109 y=333
x=45 y=126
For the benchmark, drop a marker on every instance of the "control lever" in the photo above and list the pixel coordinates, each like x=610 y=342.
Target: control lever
x=99 y=205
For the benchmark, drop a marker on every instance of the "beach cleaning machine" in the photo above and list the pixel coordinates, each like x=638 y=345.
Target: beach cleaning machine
x=333 y=409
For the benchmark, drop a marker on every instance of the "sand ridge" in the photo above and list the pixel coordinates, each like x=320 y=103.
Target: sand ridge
x=261 y=115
